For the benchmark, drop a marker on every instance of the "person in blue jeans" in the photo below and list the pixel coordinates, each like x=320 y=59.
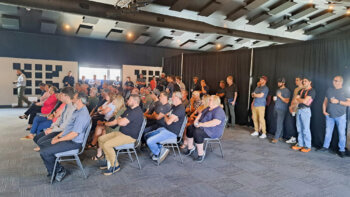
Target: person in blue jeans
x=334 y=108
x=173 y=122
x=304 y=98
x=281 y=106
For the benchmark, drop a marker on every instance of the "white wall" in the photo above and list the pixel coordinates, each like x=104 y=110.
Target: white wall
x=129 y=71
x=8 y=75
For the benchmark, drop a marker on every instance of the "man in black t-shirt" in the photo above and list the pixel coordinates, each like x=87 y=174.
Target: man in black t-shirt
x=195 y=85
x=171 y=130
x=230 y=100
x=334 y=108
x=304 y=98
x=130 y=123
x=156 y=119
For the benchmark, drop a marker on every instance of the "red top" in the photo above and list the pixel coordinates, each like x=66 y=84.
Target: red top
x=49 y=104
x=59 y=111
x=153 y=84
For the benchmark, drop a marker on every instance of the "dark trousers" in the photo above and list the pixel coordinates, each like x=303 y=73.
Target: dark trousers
x=230 y=111
x=43 y=140
x=280 y=116
x=31 y=112
x=198 y=134
x=48 y=153
x=21 y=97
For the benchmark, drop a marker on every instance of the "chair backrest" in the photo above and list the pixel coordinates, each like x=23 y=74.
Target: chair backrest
x=226 y=120
x=143 y=126
x=86 y=136
x=183 y=126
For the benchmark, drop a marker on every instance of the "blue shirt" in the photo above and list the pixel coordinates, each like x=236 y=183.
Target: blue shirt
x=217 y=113
x=78 y=123
x=279 y=104
x=261 y=102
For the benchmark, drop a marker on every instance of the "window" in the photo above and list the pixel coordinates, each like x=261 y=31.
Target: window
x=88 y=72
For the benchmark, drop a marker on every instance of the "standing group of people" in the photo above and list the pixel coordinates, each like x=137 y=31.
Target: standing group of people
x=299 y=104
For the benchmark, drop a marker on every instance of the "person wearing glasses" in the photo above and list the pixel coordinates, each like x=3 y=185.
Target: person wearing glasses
x=334 y=109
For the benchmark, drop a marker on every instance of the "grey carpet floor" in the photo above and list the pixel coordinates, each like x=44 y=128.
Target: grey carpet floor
x=251 y=167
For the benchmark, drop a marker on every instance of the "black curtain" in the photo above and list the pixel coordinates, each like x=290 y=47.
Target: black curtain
x=213 y=67
x=319 y=59
x=172 y=65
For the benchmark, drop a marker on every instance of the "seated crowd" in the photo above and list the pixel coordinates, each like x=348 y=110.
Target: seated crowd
x=59 y=120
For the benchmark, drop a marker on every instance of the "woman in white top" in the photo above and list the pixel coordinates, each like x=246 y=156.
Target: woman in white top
x=107 y=109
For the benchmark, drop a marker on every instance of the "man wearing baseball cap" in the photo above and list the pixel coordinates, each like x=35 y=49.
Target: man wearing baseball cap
x=281 y=107
x=258 y=107
x=303 y=116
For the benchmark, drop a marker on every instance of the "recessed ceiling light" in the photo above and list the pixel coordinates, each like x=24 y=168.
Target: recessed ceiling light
x=348 y=11
x=66 y=27
x=218 y=46
x=331 y=7
x=130 y=35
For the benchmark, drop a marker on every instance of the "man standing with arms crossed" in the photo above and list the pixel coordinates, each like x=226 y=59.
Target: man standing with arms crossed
x=258 y=107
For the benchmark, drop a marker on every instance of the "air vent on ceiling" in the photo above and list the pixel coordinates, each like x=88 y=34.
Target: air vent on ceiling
x=84 y=30
x=142 y=39
x=114 y=34
x=188 y=43
x=10 y=22
x=165 y=41
x=206 y=46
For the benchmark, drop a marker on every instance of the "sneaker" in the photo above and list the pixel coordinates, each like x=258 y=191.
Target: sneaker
x=190 y=151
x=292 y=140
x=163 y=154
x=60 y=175
x=296 y=147
x=323 y=149
x=154 y=158
x=262 y=136
x=341 y=154
x=305 y=150
x=200 y=159
x=274 y=141
x=111 y=170
x=255 y=133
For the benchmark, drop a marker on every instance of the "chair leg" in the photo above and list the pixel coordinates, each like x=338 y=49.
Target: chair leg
x=206 y=146
x=77 y=159
x=130 y=155
x=177 y=146
x=54 y=170
x=211 y=147
x=137 y=158
x=174 y=150
x=222 y=153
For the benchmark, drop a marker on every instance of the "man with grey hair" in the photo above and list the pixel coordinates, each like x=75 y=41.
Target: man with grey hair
x=71 y=138
x=173 y=121
x=334 y=108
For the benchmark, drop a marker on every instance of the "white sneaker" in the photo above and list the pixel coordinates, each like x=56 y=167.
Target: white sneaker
x=292 y=140
x=262 y=136
x=255 y=133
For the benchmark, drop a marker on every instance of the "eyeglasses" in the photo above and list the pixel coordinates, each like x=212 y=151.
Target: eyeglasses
x=336 y=80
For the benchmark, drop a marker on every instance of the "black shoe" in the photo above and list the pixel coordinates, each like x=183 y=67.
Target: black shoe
x=103 y=164
x=189 y=152
x=341 y=154
x=111 y=170
x=323 y=149
x=200 y=159
x=60 y=175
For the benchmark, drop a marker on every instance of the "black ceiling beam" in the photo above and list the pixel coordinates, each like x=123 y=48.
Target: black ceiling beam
x=100 y=10
x=209 y=8
x=179 y=5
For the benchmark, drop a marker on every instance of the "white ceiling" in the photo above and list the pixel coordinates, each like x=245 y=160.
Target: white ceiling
x=44 y=21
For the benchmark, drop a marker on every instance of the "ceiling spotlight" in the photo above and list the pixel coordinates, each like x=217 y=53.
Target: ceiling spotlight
x=311 y=1
x=130 y=35
x=66 y=27
x=348 y=11
x=218 y=46
x=331 y=7
x=28 y=9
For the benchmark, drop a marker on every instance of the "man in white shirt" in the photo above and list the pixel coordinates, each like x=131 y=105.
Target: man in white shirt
x=21 y=86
